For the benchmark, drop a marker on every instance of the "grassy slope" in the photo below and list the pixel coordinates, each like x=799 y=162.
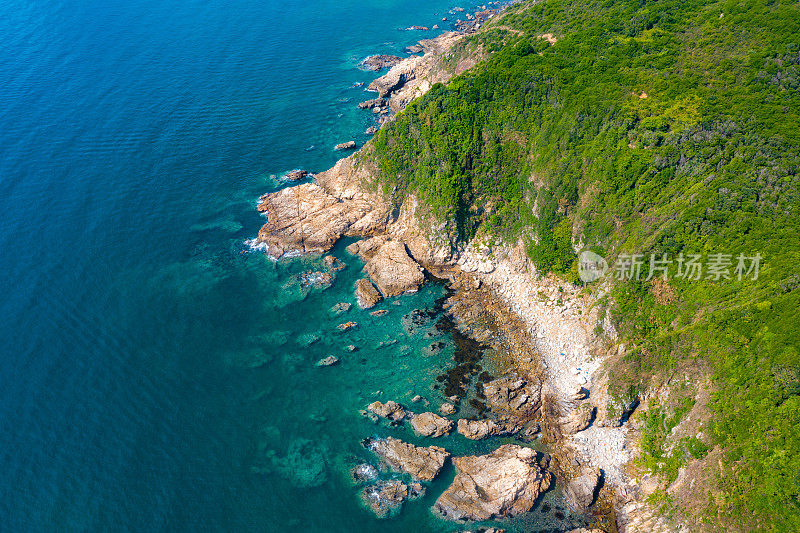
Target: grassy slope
x=554 y=143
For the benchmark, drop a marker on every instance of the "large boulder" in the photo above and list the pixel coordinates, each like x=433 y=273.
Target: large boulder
x=579 y=419
x=431 y=425
x=349 y=145
x=580 y=491
x=504 y=483
x=390 y=410
x=389 y=265
x=422 y=463
x=478 y=429
x=367 y=295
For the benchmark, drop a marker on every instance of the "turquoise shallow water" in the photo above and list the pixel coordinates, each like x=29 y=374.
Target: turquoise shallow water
x=153 y=376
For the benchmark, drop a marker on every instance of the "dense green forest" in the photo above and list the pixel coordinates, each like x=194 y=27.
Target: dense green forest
x=666 y=127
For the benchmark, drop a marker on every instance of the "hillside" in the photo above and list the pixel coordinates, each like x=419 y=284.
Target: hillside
x=667 y=127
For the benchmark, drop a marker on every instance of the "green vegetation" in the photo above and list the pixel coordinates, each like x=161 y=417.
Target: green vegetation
x=649 y=127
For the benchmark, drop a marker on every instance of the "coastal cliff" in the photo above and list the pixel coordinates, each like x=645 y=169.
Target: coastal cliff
x=492 y=170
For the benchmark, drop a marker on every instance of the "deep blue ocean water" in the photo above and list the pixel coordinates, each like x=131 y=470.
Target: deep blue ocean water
x=153 y=377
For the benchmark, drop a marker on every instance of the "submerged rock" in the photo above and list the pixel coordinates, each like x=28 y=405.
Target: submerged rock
x=316 y=279
x=367 y=295
x=385 y=498
x=328 y=361
x=303 y=465
x=340 y=308
x=364 y=473
x=421 y=463
x=390 y=410
x=504 y=483
x=431 y=425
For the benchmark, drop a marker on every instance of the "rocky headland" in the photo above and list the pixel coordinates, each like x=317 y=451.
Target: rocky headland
x=543 y=328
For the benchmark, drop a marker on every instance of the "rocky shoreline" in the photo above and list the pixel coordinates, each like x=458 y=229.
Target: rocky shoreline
x=542 y=330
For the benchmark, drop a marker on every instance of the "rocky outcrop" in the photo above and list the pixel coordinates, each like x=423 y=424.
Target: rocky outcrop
x=415 y=75
x=296 y=175
x=504 y=483
x=372 y=104
x=367 y=296
x=431 y=425
x=349 y=145
x=390 y=410
x=580 y=491
x=478 y=429
x=513 y=396
x=389 y=265
x=422 y=463
x=306 y=219
x=380 y=62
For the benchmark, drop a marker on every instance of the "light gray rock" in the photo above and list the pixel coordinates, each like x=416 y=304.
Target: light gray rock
x=390 y=410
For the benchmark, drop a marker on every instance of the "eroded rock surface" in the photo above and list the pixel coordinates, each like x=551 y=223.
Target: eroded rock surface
x=431 y=425
x=422 y=463
x=513 y=396
x=504 y=483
